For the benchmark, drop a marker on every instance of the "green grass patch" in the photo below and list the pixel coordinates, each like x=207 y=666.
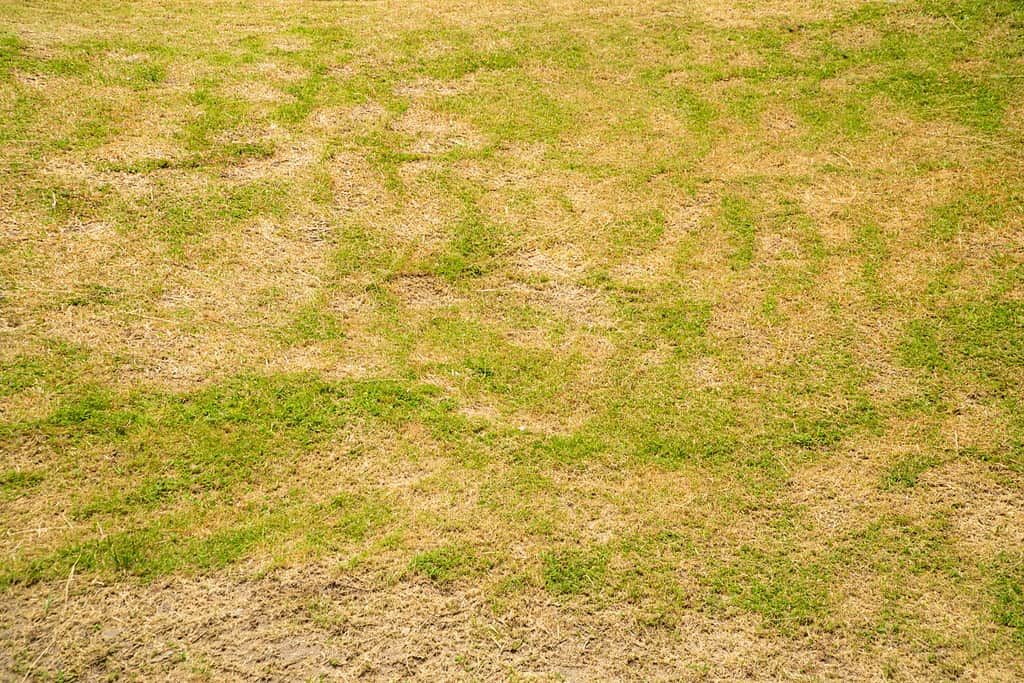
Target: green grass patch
x=789 y=596
x=905 y=472
x=14 y=482
x=1007 y=590
x=574 y=571
x=312 y=324
x=446 y=564
x=738 y=220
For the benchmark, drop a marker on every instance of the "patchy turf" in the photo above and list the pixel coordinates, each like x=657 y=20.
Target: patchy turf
x=561 y=340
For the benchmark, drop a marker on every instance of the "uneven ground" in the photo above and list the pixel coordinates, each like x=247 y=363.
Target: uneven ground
x=512 y=340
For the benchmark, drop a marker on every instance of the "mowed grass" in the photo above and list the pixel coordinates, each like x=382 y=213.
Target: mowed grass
x=681 y=315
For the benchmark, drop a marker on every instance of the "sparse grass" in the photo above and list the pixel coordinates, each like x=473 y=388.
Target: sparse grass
x=599 y=315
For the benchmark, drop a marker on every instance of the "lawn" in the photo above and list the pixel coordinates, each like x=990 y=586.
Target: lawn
x=528 y=340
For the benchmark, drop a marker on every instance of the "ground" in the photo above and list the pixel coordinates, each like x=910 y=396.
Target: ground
x=528 y=340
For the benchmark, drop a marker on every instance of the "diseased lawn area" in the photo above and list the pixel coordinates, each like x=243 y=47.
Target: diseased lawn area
x=530 y=340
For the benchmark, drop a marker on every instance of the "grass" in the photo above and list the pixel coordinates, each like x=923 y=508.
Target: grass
x=445 y=564
x=1008 y=590
x=701 y=322
x=787 y=594
x=573 y=572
